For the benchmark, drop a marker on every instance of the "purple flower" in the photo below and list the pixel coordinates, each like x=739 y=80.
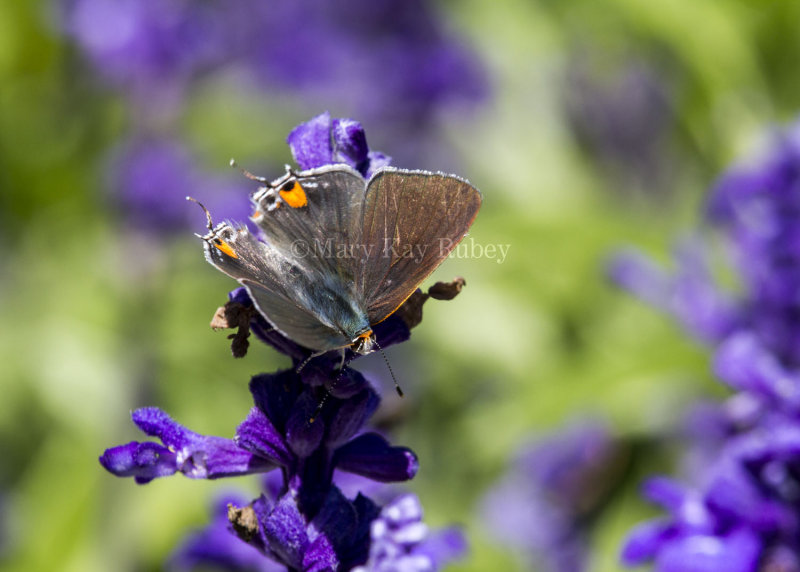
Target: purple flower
x=324 y=141
x=757 y=209
x=401 y=542
x=144 y=44
x=394 y=61
x=151 y=178
x=623 y=121
x=742 y=513
x=691 y=295
x=540 y=506
x=310 y=520
x=278 y=432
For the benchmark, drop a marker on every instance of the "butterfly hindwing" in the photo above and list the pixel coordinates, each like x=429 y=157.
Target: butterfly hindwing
x=273 y=281
x=411 y=221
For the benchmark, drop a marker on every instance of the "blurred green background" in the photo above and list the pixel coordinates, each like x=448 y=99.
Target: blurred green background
x=94 y=326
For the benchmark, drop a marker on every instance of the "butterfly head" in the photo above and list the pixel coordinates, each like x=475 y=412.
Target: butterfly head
x=364 y=343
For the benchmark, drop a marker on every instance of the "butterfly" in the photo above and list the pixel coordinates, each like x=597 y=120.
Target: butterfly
x=338 y=253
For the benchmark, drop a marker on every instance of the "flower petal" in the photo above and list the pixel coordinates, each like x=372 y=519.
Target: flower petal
x=738 y=552
x=351 y=416
x=371 y=455
x=644 y=541
x=143 y=461
x=285 y=531
x=257 y=435
x=349 y=142
x=311 y=142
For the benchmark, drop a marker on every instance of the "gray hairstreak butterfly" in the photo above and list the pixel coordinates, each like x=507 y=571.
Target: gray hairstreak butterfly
x=340 y=254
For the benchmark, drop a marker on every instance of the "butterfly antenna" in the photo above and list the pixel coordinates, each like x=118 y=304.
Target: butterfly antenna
x=208 y=214
x=247 y=173
x=391 y=372
x=320 y=405
x=304 y=363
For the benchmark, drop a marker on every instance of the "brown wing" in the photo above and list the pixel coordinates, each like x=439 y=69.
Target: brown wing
x=411 y=222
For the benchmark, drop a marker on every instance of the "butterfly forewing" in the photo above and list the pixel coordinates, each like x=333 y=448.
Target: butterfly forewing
x=411 y=222
x=322 y=228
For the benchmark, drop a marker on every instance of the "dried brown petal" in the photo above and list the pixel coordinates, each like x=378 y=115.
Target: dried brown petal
x=244 y=521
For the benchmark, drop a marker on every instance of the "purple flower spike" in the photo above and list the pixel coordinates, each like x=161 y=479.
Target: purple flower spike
x=743 y=514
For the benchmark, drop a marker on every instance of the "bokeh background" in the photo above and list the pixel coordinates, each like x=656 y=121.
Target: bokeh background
x=587 y=126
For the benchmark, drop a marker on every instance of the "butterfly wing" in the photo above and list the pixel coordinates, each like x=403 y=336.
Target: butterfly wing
x=278 y=284
x=411 y=221
x=302 y=278
x=315 y=214
x=314 y=218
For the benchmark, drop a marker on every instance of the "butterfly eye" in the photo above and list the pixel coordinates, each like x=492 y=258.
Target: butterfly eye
x=364 y=343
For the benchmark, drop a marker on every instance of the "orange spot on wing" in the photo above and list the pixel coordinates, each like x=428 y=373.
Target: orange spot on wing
x=294 y=195
x=225 y=247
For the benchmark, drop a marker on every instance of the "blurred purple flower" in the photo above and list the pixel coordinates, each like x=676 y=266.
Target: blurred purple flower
x=141 y=45
x=151 y=178
x=742 y=517
x=395 y=63
x=742 y=512
x=757 y=209
x=540 y=507
x=340 y=50
x=623 y=120
x=691 y=295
